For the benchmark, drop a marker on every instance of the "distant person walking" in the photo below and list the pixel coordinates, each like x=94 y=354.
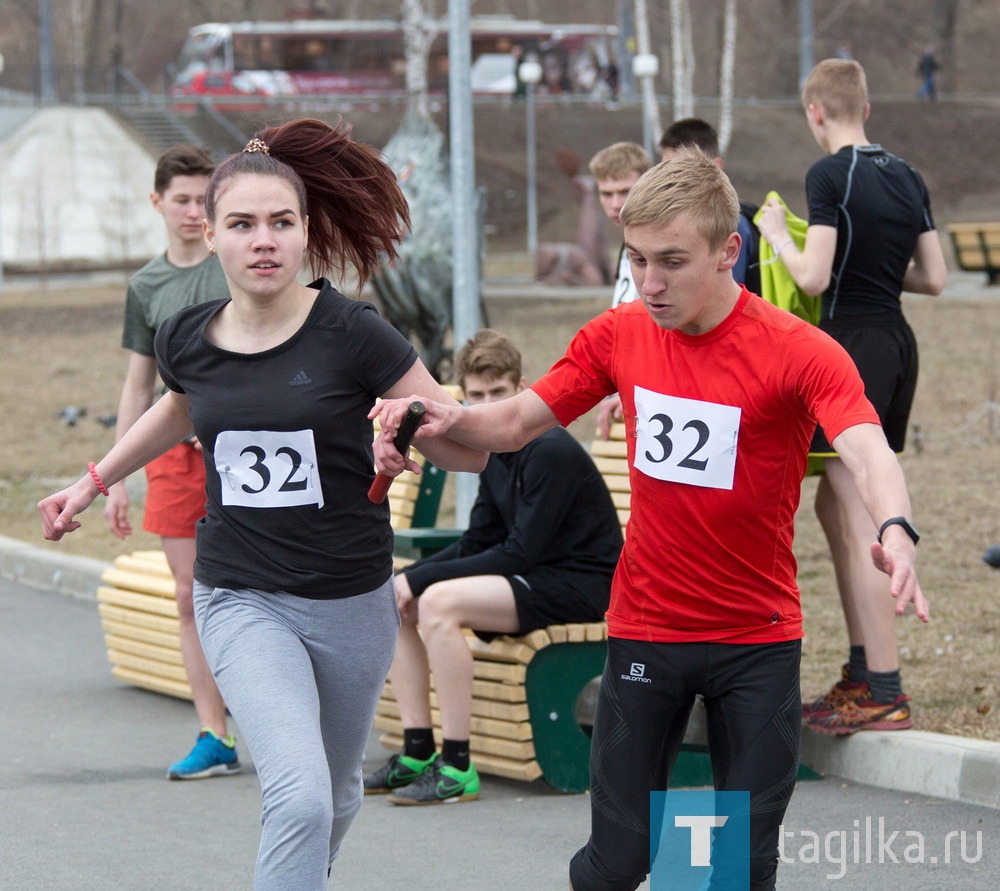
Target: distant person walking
x=927 y=69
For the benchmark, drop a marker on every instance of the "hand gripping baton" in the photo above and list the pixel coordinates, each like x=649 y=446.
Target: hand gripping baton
x=414 y=415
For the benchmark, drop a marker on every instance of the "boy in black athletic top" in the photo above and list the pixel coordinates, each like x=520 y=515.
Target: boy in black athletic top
x=870 y=236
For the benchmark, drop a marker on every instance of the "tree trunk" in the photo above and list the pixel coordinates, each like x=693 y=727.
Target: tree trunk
x=650 y=108
x=726 y=68
x=682 y=59
x=418 y=34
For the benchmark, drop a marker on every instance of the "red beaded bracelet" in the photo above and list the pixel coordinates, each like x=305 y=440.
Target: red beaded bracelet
x=92 y=467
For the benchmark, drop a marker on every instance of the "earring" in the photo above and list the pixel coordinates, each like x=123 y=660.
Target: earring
x=211 y=248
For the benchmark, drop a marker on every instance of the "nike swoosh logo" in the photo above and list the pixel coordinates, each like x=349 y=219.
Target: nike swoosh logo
x=449 y=788
x=398 y=779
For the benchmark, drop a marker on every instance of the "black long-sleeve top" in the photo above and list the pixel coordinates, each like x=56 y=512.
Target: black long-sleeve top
x=545 y=505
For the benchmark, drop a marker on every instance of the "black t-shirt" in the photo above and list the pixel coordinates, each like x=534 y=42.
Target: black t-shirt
x=544 y=505
x=879 y=206
x=288 y=448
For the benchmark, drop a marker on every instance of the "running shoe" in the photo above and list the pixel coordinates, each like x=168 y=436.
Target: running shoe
x=211 y=756
x=398 y=771
x=441 y=784
x=841 y=692
x=863 y=714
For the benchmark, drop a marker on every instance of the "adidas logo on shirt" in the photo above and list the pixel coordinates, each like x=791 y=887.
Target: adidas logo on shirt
x=300 y=379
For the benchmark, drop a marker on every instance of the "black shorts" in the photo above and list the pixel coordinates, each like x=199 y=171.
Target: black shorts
x=753 y=712
x=885 y=352
x=553 y=596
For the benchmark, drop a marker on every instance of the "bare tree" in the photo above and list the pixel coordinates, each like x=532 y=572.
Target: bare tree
x=650 y=108
x=682 y=58
x=726 y=70
x=419 y=31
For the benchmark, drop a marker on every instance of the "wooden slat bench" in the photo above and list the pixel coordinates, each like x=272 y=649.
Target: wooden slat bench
x=139 y=613
x=977 y=248
x=524 y=704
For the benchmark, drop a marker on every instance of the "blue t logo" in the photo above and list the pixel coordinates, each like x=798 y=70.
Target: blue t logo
x=694 y=835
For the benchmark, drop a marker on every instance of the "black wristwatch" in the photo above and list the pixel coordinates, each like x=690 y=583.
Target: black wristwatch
x=899 y=521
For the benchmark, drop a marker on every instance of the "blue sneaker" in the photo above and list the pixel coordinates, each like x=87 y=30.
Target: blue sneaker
x=211 y=756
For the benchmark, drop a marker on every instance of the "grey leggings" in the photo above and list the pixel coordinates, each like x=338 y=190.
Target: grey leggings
x=301 y=678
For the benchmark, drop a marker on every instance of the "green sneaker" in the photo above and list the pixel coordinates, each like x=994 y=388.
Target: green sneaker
x=441 y=784
x=398 y=771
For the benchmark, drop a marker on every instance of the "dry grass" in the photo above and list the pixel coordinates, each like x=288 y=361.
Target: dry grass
x=59 y=347
x=953 y=470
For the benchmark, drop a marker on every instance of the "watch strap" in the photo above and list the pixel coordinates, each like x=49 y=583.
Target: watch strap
x=899 y=521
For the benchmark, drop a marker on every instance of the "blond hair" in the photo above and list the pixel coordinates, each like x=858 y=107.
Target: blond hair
x=619 y=160
x=691 y=184
x=839 y=87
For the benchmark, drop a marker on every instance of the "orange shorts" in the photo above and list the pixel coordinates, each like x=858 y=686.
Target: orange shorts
x=175 y=492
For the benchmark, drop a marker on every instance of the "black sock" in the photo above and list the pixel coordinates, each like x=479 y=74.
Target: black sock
x=885 y=686
x=456 y=753
x=857 y=667
x=418 y=742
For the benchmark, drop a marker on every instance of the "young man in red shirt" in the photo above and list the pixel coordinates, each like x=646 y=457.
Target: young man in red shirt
x=721 y=392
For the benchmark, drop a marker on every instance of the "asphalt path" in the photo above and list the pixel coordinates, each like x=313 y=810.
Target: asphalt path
x=84 y=803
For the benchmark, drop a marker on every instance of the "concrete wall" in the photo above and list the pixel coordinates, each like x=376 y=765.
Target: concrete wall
x=74 y=189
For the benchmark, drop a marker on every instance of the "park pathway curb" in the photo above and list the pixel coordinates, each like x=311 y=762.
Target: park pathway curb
x=39 y=567
x=931 y=764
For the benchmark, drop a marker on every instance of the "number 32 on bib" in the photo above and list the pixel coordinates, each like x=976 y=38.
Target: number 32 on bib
x=267 y=468
x=685 y=440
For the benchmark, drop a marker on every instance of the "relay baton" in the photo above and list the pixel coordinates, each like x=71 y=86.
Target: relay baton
x=414 y=415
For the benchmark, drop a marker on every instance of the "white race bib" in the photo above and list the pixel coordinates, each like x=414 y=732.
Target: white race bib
x=267 y=468
x=686 y=440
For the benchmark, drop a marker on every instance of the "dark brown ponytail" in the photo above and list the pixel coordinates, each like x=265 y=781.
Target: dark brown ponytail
x=357 y=212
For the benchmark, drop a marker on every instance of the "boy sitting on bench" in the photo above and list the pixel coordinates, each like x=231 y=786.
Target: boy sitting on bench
x=541 y=548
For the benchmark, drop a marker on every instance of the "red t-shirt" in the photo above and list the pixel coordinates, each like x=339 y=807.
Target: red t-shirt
x=718 y=431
